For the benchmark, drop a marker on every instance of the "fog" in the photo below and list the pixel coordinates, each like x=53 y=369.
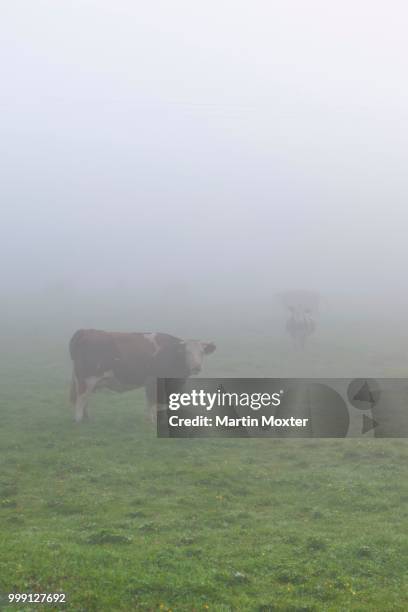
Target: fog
x=163 y=158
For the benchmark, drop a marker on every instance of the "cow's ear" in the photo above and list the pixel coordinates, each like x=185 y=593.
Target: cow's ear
x=209 y=347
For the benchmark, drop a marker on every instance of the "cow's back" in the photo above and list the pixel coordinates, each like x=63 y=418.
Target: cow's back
x=130 y=357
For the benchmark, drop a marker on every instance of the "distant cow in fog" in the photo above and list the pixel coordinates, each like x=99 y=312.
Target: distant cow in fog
x=302 y=307
x=124 y=361
x=300 y=325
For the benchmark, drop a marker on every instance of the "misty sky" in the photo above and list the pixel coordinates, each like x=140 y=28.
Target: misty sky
x=262 y=143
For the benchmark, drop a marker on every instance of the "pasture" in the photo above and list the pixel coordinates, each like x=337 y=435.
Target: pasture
x=120 y=520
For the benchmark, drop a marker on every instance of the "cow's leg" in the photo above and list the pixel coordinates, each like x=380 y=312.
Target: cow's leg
x=151 y=400
x=84 y=389
x=155 y=398
x=73 y=390
x=157 y=393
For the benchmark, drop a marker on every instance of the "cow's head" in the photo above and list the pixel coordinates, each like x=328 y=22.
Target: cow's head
x=195 y=351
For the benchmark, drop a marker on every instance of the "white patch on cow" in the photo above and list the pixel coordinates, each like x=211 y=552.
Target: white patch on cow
x=104 y=380
x=195 y=355
x=152 y=339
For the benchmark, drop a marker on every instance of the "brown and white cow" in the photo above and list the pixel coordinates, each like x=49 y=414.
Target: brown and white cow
x=125 y=361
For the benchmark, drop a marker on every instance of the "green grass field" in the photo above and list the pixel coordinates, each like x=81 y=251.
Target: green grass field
x=120 y=520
